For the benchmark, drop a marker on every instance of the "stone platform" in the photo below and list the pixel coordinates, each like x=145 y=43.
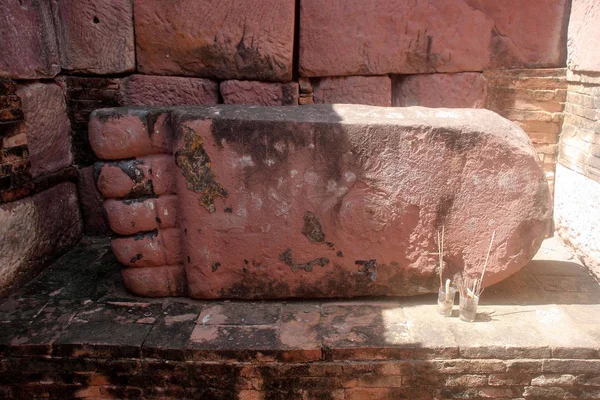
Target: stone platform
x=75 y=332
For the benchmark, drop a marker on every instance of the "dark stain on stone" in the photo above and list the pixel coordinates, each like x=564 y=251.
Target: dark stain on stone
x=288 y=95
x=288 y=383
x=189 y=259
x=443 y=209
x=158 y=220
x=150 y=121
x=195 y=166
x=185 y=230
x=312 y=228
x=288 y=259
x=132 y=201
x=215 y=266
x=142 y=185
x=228 y=210
x=369 y=268
x=428 y=51
x=146 y=235
x=135 y=258
x=340 y=254
x=266 y=139
x=460 y=142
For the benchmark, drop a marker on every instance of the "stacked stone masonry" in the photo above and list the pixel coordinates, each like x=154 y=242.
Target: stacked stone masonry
x=108 y=53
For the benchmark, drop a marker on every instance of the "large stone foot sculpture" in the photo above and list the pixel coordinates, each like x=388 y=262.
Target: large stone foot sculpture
x=315 y=201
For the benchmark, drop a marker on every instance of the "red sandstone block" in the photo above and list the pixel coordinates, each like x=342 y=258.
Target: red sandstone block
x=147 y=90
x=583 y=36
x=149 y=250
x=127 y=217
x=35 y=229
x=155 y=281
x=144 y=176
x=91 y=203
x=28 y=46
x=377 y=37
x=259 y=93
x=95 y=37
x=464 y=90
x=370 y=90
x=233 y=40
x=114 y=137
x=48 y=127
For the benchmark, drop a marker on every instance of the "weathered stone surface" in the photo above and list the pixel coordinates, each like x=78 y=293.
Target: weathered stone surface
x=259 y=93
x=156 y=281
x=369 y=90
x=146 y=133
x=34 y=231
x=322 y=201
x=232 y=41
x=378 y=36
x=147 y=90
x=28 y=47
x=576 y=214
x=48 y=127
x=583 y=36
x=95 y=37
x=60 y=342
x=464 y=90
x=91 y=203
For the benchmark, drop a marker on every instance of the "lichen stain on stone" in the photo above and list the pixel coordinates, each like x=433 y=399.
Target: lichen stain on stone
x=288 y=259
x=312 y=228
x=369 y=268
x=196 y=168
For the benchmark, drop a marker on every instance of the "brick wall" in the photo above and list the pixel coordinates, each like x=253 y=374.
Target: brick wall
x=142 y=378
x=577 y=201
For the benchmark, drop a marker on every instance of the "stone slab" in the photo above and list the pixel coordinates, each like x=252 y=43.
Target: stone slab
x=359 y=37
x=48 y=127
x=233 y=41
x=463 y=90
x=583 y=33
x=95 y=37
x=259 y=93
x=149 y=90
x=35 y=230
x=29 y=49
x=279 y=202
x=369 y=90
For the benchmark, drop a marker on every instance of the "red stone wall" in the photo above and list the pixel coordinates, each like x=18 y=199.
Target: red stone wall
x=90 y=54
